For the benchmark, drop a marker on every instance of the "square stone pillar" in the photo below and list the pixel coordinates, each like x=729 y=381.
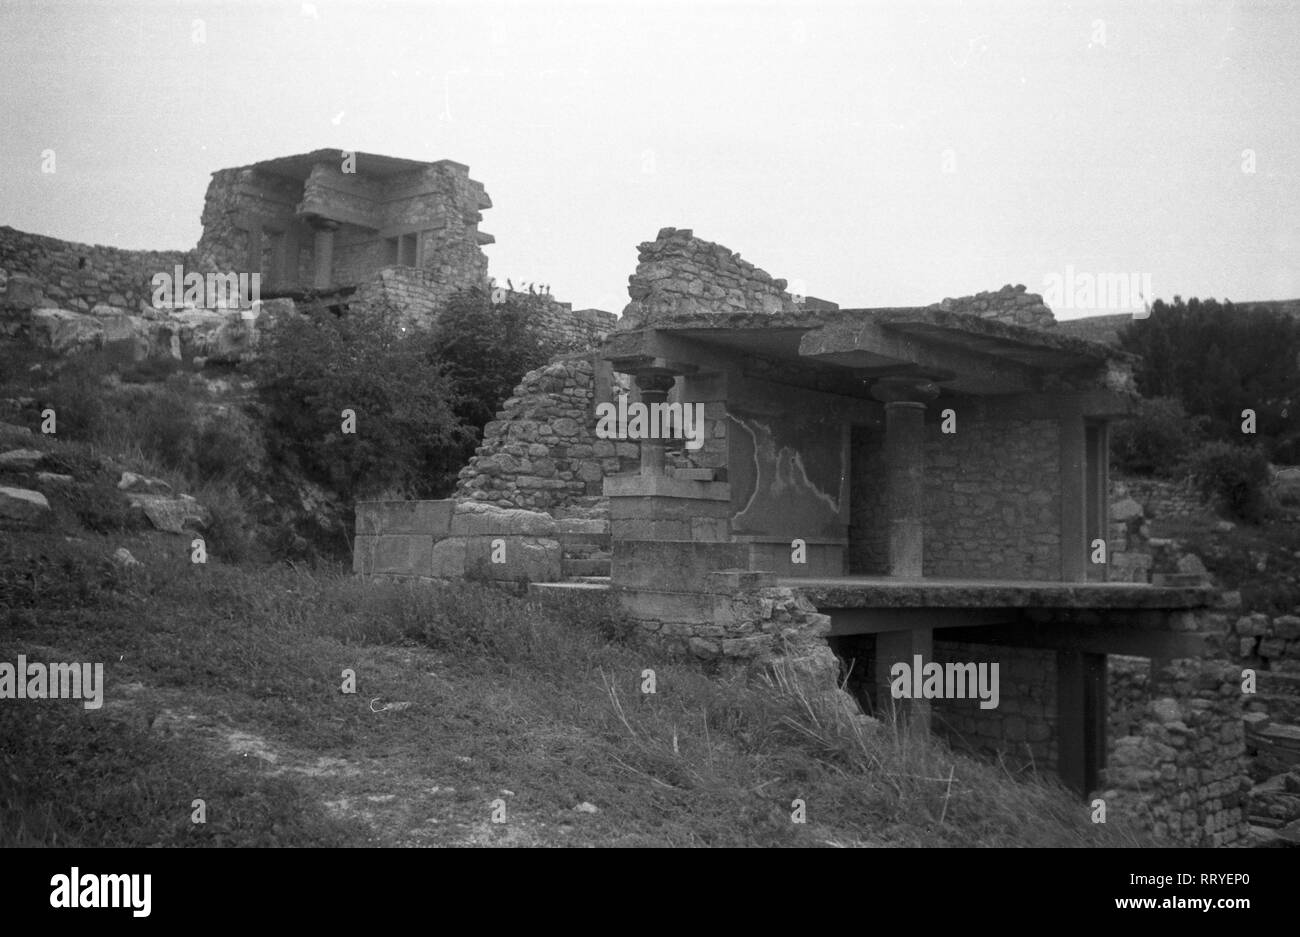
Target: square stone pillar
x=902 y=647
x=323 y=255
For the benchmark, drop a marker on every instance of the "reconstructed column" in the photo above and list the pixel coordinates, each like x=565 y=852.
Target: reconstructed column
x=904 y=471
x=654 y=387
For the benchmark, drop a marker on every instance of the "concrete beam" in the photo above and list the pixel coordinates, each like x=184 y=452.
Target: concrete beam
x=868 y=345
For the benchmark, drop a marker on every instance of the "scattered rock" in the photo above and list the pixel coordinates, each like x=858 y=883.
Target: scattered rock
x=585 y=807
x=142 y=484
x=23 y=460
x=65 y=332
x=23 y=505
x=122 y=556
x=54 y=478
x=1125 y=510
x=171 y=515
x=11 y=433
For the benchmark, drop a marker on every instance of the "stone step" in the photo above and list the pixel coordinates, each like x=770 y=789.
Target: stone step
x=586 y=551
x=572 y=567
x=544 y=590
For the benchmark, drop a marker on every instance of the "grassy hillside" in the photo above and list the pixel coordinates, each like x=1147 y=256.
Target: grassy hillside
x=224 y=684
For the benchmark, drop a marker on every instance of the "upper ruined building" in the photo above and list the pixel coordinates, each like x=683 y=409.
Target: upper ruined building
x=331 y=219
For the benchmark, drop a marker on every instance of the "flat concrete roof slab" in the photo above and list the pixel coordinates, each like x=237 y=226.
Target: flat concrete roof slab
x=884 y=592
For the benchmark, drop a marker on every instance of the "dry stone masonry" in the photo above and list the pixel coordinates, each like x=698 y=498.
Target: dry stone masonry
x=824 y=455
x=1011 y=305
x=677 y=273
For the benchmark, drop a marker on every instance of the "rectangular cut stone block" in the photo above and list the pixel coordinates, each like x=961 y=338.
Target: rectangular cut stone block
x=474 y=520
x=393 y=555
x=648 y=529
x=448 y=558
x=661 y=486
x=658 y=508
x=666 y=606
x=525 y=559
x=727 y=581
x=673 y=565
x=822 y=559
x=404 y=517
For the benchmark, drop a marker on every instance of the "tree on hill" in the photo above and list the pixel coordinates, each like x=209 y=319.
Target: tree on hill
x=1218 y=360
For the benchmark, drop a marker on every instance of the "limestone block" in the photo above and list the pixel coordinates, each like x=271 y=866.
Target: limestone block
x=21 y=460
x=64 y=331
x=393 y=554
x=404 y=517
x=23 y=505
x=524 y=559
x=1125 y=510
x=473 y=519
x=673 y=565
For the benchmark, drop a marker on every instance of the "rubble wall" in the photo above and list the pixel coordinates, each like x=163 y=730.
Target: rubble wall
x=78 y=277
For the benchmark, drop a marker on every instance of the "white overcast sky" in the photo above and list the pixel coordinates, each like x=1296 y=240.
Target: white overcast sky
x=810 y=137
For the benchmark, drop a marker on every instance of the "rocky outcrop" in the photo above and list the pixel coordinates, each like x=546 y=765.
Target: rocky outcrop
x=227 y=335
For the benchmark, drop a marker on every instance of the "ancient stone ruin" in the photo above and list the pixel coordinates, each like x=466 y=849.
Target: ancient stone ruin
x=326 y=229
x=922 y=484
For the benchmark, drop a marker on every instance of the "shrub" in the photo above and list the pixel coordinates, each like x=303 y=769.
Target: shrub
x=77 y=396
x=1155 y=440
x=1235 y=475
x=488 y=347
x=387 y=373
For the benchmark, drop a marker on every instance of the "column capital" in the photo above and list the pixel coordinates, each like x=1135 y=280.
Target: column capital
x=904 y=390
x=655 y=380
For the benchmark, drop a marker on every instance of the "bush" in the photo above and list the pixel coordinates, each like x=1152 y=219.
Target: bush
x=1156 y=439
x=488 y=347
x=388 y=374
x=1235 y=475
x=76 y=394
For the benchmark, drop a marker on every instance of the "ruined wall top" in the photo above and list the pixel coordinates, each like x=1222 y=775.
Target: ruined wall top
x=1010 y=305
x=680 y=274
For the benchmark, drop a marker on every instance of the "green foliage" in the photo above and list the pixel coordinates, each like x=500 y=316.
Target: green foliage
x=1156 y=439
x=387 y=373
x=487 y=348
x=1236 y=475
x=1218 y=360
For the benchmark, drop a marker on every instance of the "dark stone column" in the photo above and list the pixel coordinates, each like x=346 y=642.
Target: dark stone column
x=905 y=470
x=654 y=386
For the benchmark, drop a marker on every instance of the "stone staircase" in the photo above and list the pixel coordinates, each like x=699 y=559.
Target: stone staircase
x=584 y=538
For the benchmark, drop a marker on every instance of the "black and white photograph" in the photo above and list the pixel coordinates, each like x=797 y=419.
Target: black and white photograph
x=655 y=424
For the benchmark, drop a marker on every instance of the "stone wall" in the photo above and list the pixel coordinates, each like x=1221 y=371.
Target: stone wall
x=541 y=452
x=678 y=273
x=1010 y=305
x=421 y=294
x=1022 y=728
x=992 y=494
x=78 y=276
x=1159 y=497
x=1182 y=772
